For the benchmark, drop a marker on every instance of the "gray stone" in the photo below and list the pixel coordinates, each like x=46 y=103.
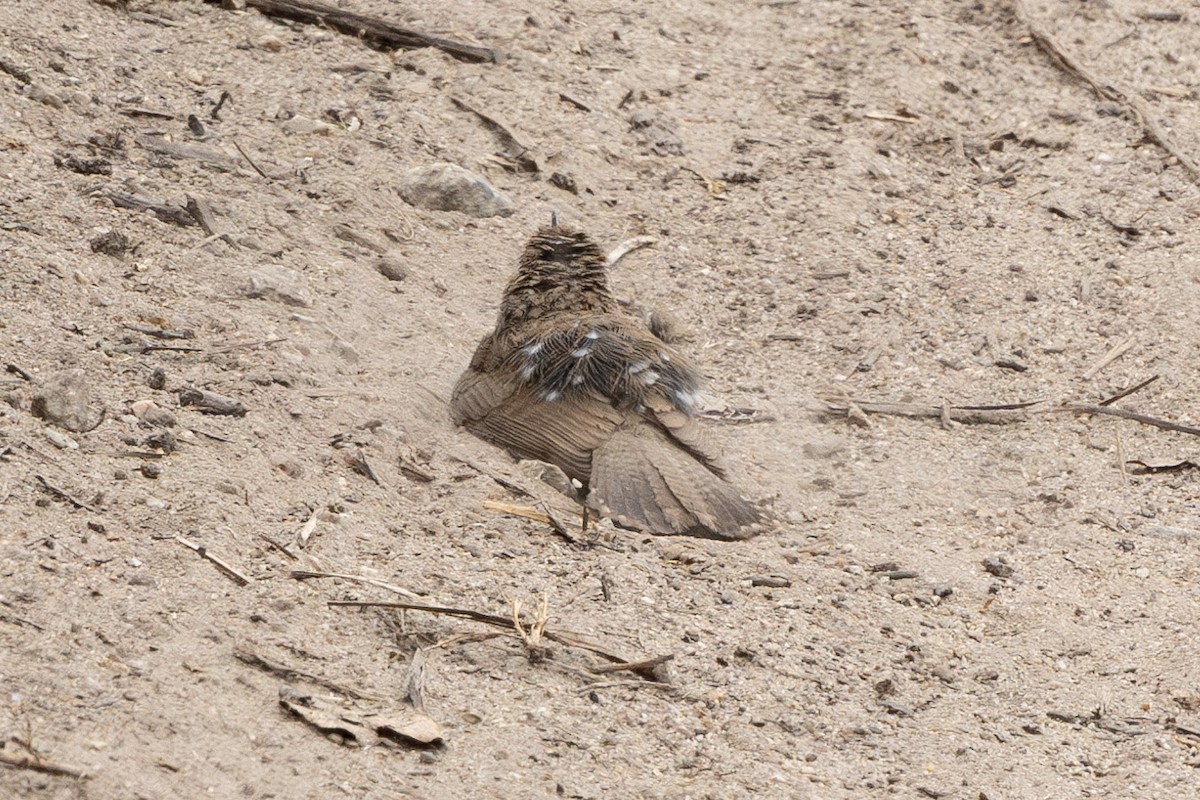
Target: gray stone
x=63 y=401
x=449 y=187
x=283 y=285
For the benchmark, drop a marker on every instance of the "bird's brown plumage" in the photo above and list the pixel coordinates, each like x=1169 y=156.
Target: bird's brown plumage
x=567 y=377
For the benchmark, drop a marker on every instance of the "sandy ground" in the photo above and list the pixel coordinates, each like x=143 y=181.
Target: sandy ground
x=894 y=202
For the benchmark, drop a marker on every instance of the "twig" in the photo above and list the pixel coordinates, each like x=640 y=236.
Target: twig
x=507 y=483
x=224 y=567
x=1126 y=392
x=1114 y=352
x=375 y=32
x=414 y=684
x=287 y=671
x=1153 y=130
x=283 y=548
x=631 y=684
x=304 y=575
x=37 y=765
x=996 y=415
x=176 y=215
x=508 y=624
x=244 y=154
x=202 y=212
x=15 y=620
x=160 y=333
x=969 y=415
x=628 y=246
x=511 y=149
x=62 y=494
x=195 y=152
x=649 y=663
x=306 y=530
x=1166 y=425
x=566 y=98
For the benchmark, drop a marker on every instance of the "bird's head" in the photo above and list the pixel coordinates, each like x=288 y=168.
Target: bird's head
x=561 y=270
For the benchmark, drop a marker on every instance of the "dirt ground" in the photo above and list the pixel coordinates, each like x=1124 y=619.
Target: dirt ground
x=895 y=202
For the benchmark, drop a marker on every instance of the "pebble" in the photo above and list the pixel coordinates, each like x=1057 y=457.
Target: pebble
x=278 y=284
x=389 y=266
x=304 y=126
x=60 y=440
x=996 y=565
x=824 y=446
x=152 y=413
x=1142 y=572
x=449 y=187
x=63 y=400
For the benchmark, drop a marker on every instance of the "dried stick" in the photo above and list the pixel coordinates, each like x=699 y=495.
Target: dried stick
x=287 y=671
x=62 y=494
x=1166 y=425
x=1126 y=392
x=628 y=246
x=220 y=564
x=969 y=415
x=512 y=149
x=1152 y=129
x=644 y=668
x=37 y=765
x=304 y=575
x=375 y=32
x=1001 y=414
x=1116 y=351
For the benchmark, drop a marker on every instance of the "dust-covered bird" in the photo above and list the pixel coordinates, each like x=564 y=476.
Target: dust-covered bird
x=567 y=377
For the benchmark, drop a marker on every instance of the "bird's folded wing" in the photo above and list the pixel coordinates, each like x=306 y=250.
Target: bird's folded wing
x=503 y=411
x=683 y=429
x=645 y=481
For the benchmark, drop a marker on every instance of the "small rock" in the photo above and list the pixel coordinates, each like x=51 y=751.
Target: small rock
x=41 y=94
x=656 y=132
x=770 y=581
x=84 y=165
x=449 y=187
x=61 y=440
x=157 y=378
x=152 y=469
x=281 y=284
x=390 y=267
x=162 y=440
x=564 y=181
x=63 y=401
x=304 y=126
x=997 y=566
x=1142 y=572
x=212 y=403
x=152 y=413
x=110 y=243
x=825 y=446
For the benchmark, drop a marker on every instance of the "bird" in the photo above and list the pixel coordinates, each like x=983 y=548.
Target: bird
x=568 y=377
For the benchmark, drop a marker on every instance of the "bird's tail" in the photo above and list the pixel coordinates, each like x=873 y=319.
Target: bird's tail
x=644 y=481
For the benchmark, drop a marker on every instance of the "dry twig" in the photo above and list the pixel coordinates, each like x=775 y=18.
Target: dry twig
x=288 y=672
x=638 y=667
x=219 y=563
x=375 y=32
x=1150 y=126
x=37 y=765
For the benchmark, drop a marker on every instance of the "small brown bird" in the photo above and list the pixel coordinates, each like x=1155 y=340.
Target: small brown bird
x=567 y=377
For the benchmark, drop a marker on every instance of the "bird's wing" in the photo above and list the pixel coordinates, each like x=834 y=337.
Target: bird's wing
x=500 y=408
